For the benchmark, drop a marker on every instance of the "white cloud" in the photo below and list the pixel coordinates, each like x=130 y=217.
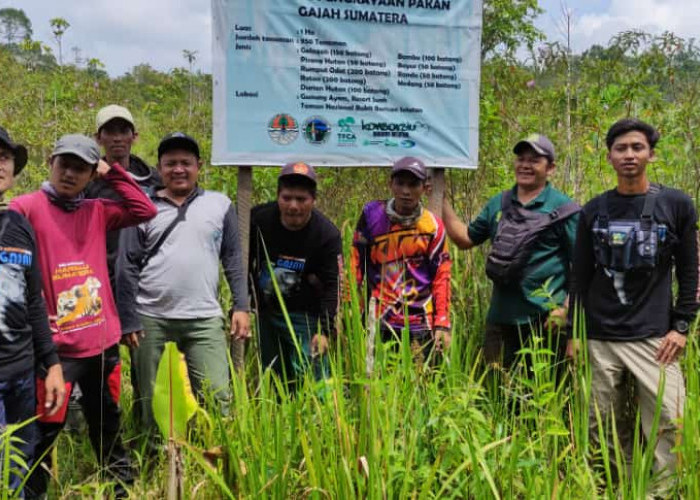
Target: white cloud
x=127 y=32
x=681 y=17
x=123 y=33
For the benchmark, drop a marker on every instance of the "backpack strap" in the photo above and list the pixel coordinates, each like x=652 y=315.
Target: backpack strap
x=649 y=204
x=506 y=200
x=603 y=217
x=564 y=211
x=181 y=212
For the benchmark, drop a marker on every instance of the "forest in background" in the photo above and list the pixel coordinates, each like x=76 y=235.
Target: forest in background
x=445 y=434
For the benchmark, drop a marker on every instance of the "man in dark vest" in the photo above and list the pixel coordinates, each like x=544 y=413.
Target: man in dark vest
x=523 y=272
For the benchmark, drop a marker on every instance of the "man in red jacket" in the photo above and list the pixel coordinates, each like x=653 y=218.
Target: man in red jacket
x=70 y=232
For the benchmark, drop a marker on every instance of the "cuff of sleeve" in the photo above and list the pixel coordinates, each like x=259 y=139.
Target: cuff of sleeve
x=51 y=359
x=131 y=327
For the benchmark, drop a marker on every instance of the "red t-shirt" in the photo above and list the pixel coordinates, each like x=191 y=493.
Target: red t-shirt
x=73 y=261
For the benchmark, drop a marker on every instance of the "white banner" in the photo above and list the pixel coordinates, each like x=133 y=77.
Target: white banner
x=346 y=82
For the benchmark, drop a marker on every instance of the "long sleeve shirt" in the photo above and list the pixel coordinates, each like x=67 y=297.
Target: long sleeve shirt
x=407 y=268
x=25 y=336
x=73 y=262
x=147 y=178
x=181 y=279
x=306 y=264
x=638 y=304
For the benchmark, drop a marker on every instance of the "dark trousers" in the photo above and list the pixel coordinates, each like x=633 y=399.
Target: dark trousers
x=278 y=350
x=17 y=404
x=99 y=378
x=502 y=343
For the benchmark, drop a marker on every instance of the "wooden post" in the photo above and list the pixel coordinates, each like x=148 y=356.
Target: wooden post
x=437 y=192
x=243 y=201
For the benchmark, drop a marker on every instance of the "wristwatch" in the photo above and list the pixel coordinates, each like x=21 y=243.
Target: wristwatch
x=681 y=326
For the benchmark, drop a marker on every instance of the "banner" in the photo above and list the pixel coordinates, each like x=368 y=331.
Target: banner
x=346 y=82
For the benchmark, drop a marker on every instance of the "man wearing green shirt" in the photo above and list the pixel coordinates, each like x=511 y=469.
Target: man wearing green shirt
x=519 y=306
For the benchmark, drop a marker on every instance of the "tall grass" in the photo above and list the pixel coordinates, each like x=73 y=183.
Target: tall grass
x=457 y=430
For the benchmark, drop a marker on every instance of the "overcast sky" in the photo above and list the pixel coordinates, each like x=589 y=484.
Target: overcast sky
x=123 y=33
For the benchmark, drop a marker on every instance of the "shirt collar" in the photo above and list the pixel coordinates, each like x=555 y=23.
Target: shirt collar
x=538 y=201
x=197 y=191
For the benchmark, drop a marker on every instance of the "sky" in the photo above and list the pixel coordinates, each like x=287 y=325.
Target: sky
x=124 y=33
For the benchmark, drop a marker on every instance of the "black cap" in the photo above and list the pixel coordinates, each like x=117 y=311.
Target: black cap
x=178 y=140
x=18 y=150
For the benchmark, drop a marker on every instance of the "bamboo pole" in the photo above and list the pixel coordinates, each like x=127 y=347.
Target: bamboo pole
x=243 y=201
x=437 y=191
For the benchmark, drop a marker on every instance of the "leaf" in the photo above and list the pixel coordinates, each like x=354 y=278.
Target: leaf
x=173 y=402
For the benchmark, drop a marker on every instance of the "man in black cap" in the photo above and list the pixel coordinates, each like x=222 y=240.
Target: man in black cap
x=296 y=246
x=168 y=278
x=25 y=336
x=532 y=227
x=400 y=251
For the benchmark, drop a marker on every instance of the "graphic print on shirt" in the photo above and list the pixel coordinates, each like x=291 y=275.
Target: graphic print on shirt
x=79 y=304
x=401 y=253
x=13 y=286
x=288 y=275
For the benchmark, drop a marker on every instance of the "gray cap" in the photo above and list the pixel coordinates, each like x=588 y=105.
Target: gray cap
x=410 y=164
x=299 y=168
x=79 y=145
x=540 y=143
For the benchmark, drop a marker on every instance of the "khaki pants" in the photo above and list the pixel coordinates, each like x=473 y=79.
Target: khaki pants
x=613 y=365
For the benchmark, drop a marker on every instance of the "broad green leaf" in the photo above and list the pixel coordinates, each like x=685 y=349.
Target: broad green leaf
x=173 y=402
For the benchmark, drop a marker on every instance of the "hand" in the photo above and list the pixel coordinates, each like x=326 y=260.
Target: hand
x=671 y=347
x=240 y=325
x=319 y=345
x=103 y=168
x=573 y=346
x=556 y=319
x=55 y=390
x=443 y=339
x=132 y=339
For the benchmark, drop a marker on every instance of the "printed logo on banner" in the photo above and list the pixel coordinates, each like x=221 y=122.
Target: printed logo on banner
x=408 y=143
x=346 y=136
x=394 y=130
x=317 y=130
x=283 y=129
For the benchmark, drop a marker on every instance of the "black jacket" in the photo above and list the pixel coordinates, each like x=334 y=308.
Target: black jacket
x=25 y=336
x=638 y=304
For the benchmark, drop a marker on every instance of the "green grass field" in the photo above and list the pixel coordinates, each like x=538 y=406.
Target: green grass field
x=401 y=429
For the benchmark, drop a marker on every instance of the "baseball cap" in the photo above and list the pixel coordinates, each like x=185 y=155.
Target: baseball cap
x=412 y=165
x=79 y=145
x=299 y=168
x=18 y=150
x=540 y=143
x=109 y=113
x=178 y=140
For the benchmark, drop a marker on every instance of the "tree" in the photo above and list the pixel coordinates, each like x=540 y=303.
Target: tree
x=58 y=27
x=191 y=56
x=509 y=24
x=15 y=26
